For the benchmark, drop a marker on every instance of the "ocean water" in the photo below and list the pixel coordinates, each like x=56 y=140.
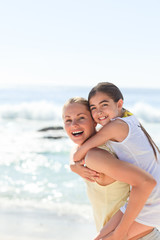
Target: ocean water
x=34 y=165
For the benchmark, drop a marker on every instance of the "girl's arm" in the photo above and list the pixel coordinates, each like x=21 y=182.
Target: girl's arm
x=116 y=131
x=142 y=185
x=82 y=170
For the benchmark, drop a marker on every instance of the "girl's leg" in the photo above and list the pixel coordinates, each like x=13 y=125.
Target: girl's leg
x=138 y=230
x=154 y=235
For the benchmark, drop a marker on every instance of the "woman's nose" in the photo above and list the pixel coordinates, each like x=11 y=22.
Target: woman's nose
x=74 y=122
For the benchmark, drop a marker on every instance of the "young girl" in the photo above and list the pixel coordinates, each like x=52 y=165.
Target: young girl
x=79 y=127
x=128 y=139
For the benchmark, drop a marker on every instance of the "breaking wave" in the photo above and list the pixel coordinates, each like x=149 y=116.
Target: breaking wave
x=46 y=111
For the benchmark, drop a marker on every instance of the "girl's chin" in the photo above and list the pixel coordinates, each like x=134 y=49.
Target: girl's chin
x=102 y=123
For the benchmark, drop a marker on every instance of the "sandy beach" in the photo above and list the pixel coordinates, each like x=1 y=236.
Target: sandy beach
x=29 y=224
x=25 y=224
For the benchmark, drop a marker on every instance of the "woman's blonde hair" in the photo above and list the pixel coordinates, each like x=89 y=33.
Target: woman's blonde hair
x=79 y=100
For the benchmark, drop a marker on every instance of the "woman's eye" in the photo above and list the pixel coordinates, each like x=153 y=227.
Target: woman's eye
x=68 y=121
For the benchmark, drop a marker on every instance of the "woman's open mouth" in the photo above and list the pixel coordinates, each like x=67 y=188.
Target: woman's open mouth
x=77 y=133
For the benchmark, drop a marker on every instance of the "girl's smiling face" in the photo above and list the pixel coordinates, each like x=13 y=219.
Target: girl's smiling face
x=103 y=108
x=78 y=122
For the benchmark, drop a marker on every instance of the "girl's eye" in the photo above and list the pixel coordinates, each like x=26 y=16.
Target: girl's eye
x=92 y=108
x=104 y=104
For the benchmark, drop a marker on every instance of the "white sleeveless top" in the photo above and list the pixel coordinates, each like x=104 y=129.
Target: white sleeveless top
x=136 y=149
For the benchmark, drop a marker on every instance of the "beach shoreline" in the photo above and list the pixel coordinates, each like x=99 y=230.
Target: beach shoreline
x=25 y=224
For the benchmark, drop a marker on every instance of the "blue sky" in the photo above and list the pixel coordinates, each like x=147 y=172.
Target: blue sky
x=71 y=42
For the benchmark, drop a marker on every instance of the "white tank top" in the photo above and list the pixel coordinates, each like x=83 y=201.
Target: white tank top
x=136 y=149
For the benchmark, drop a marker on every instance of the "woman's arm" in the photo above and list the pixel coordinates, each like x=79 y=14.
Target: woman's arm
x=84 y=172
x=142 y=185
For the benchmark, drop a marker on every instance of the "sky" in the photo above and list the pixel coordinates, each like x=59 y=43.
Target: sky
x=71 y=42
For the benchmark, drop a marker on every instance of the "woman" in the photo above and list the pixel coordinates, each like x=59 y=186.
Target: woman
x=101 y=189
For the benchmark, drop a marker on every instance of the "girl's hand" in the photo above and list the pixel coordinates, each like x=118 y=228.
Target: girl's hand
x=85 y=172
x=79 y=154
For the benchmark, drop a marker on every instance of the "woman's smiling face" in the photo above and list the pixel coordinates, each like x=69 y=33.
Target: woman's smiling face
x=78 y=122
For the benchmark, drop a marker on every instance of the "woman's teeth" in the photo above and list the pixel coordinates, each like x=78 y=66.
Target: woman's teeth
x=77 y=133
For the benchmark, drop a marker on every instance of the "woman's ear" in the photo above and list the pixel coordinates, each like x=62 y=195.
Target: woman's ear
x=120 y=103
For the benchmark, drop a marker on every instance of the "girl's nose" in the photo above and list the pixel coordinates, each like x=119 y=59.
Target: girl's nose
x=99 y=111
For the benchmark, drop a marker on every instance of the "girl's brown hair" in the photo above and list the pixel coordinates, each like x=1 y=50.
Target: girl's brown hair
x=115 y=94
x=108 y=88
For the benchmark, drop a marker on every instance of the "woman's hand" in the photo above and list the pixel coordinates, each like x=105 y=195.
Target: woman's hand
x=114 y=235
x=84 y=171
x=112 y=230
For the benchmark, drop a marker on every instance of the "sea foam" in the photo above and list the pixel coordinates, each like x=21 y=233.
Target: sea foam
x=47 y=111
